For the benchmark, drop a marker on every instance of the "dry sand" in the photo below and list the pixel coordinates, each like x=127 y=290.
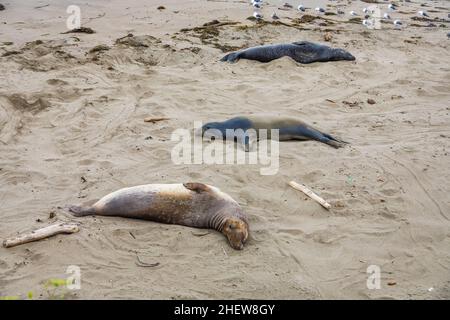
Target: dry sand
x=72 y=130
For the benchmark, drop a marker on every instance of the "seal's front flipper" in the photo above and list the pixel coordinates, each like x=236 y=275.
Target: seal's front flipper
x=231 y=57
x=301 y=43
x=246 y=139
x=196 y=186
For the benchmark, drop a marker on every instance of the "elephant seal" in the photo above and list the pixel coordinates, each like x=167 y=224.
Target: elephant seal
x=289 y=129
x=190 y=204
x=302 y=52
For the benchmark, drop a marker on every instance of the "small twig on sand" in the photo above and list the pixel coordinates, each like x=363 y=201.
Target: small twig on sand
x=310 y=194
x=146 y=265
x=43 y=6
x=39 y=234
x=154 y=120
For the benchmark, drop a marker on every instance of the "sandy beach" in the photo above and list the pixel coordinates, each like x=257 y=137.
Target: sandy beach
x=72 y=110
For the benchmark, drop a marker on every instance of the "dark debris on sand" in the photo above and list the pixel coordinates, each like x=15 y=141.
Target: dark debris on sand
x=2 y=7
x=130 y=40
x=209 y=32
x=81 y=30
x=99 y=48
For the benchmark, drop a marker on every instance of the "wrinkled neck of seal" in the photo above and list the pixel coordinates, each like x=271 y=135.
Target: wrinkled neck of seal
x=231 y=222
x=221 y=216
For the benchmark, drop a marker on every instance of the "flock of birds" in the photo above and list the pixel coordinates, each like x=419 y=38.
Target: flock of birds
x=367 y=12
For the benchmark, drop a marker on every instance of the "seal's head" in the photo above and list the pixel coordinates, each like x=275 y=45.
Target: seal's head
x=212 y=129
x=236 y=230
x=341 y=54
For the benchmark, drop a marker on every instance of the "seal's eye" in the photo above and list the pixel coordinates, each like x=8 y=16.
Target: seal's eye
x=232 y=226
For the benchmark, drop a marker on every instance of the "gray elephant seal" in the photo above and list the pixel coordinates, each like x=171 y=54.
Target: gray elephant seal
x=189 y=204
x=289 y=129
x=302 y=52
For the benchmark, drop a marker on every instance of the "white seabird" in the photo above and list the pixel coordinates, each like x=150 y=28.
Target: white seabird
x=257 y=15
x=321 y=10
x=397 y=23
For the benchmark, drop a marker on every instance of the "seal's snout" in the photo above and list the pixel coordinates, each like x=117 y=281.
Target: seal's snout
x=212 y=130
x=347 y=55
x=236 y=231
x=341 y=54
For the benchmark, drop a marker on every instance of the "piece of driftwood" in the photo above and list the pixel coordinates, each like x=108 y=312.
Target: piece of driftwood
x=39 y=234
x=153 y=120
x=310 y=194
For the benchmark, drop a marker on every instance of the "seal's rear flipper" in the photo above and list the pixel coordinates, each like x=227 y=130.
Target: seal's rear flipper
x=334 y=142
x=196 y=186
x=231 y=57
x=310 y=133
x=79 y=211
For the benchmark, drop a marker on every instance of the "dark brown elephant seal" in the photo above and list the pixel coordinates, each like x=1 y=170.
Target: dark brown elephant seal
x=300 y=51
x=190 y=204
x=289 y=129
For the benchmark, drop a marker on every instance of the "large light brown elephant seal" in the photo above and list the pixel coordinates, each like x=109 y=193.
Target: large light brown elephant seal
x=190 y=204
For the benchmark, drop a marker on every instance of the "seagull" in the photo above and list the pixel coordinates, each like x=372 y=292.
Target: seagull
x=287 y=5
x=353 y=13
x=365 y=10
x=340 y=11
x=387 y=16
x=366 y=23
x=257 y=15
x=274 y=16
x=392 y=7
x=398 y=23
x=321 y=10
x=422 y=13
x=257 y=3
x=301 y=8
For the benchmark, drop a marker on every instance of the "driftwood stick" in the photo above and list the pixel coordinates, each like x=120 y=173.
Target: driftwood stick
x=39 y=234
x=310 y=194
x=156 y=119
